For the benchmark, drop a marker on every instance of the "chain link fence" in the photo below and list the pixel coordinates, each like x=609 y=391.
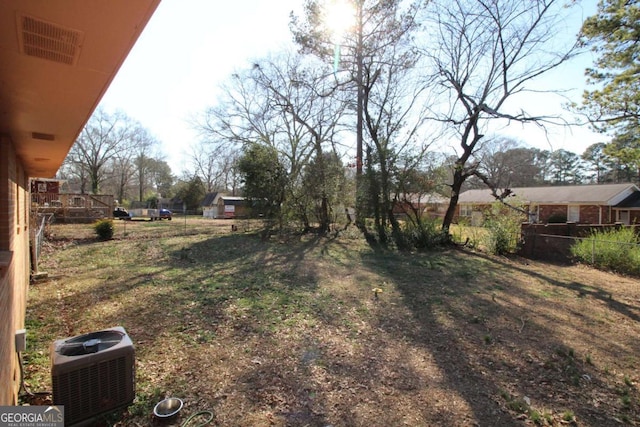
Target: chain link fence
x=42 y=221
x=557 y=246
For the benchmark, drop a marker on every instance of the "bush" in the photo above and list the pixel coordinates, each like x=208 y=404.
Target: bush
x=426 y=234
x=503 y=224
x=501 y=239
x=615 y=250
x=557 y=218
x=104 y=229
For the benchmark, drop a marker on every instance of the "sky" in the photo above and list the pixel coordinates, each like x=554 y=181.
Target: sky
x=189 y=47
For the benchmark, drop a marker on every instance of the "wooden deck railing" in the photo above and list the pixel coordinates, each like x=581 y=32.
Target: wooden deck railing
x=73 y=207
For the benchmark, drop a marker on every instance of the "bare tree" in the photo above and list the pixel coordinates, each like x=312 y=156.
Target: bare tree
x=203 y=162
x=74 y=172
x=112 y=151
x=483 y=53
x=297 y=91
x=122 y=173
x=215 y=164
x=506 y=163
x=143 y=148
x=241 y=115
x=277 y=102
x=99 y=142
x=373 y=64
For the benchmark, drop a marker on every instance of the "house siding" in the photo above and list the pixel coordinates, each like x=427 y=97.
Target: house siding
x=210 y=212
x=14 y=272
x=210 y=205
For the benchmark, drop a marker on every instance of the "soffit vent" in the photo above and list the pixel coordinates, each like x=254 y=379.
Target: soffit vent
x=43 y=136
x=49 y=41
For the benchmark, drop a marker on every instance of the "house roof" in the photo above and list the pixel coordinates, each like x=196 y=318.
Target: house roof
x=209 y=199
x=434 y=198
x=633 y=201
x=233 y=200
x=602 y=194
x=57 y=59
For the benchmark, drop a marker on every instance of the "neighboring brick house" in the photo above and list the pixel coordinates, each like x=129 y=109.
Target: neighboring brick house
x=587 y=204
x=432 y=205
x=56 y=61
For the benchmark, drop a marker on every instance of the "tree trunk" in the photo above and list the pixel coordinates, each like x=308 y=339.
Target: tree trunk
x=324 y=215
x=94 y=182
x=458 y=180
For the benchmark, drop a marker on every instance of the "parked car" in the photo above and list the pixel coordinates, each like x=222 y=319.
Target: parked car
x=121 y=213
x=165 y=214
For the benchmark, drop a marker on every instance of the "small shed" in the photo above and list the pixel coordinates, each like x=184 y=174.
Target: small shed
x=233 y=207
x=210 y=205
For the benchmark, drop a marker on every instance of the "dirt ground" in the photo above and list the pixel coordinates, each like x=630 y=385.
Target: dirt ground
x=329 y=332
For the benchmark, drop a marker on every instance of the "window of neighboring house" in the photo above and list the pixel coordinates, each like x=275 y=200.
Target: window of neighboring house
x=623 y=217
x=573 y=213
x=465 y=210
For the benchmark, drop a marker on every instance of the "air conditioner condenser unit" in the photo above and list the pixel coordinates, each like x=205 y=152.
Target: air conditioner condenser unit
x=93 y=374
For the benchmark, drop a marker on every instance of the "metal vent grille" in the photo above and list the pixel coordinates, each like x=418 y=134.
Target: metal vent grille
x=49 y=41
x=94 y=383
x=94 y=389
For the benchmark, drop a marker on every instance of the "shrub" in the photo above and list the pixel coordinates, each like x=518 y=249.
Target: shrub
x=424 y=234
x=615 y=250
x=501 y=239
x=104 y=229
x=503 y=224
x=557 y=218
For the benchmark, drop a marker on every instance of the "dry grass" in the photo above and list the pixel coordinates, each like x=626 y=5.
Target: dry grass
x=290 y=333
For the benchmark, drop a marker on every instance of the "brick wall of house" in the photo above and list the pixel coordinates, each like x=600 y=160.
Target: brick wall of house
x=589 y=214
x=597 y=215
x=547 y=211
x=14 y=268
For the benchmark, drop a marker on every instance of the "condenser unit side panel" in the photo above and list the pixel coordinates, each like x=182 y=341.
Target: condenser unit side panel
x=92 y=384
x=93 y=390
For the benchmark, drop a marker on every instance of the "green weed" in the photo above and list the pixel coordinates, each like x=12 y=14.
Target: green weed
x=615 y=250
x=568 y=416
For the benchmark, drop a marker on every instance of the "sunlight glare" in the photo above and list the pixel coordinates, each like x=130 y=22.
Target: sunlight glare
x=339 y=17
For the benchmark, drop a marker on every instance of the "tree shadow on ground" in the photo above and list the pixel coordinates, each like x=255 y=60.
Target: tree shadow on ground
x=287 y=332
x=581 y=290
x=490 y=341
